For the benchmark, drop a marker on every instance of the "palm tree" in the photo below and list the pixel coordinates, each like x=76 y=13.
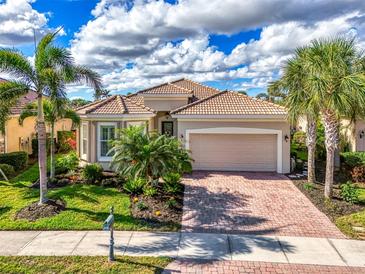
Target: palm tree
x=292 y=87
x=335 y=86
x=53 y=111
x=102 y=94
x=53 y=68
x=138 y=153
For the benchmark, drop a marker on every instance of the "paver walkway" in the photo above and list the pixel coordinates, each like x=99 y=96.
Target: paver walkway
x=251 y=203
x=188 y=246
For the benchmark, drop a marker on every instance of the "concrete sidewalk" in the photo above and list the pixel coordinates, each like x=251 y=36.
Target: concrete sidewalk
x=209 y=246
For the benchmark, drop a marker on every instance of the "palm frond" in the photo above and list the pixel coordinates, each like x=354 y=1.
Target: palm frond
x=14 y=63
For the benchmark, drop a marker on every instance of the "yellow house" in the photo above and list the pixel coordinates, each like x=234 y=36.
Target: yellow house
x=19 y=137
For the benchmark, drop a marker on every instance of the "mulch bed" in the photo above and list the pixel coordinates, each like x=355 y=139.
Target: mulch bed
x=35 y=211
x=167 y=214
x=334 y=208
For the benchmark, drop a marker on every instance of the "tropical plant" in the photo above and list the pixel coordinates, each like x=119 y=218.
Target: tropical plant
x=350 y=192
x=135 y=185
x=67 y=162
x=138 y=153
x=294 y=83
x=53 y=68
x=92 y=173
x=79 y=102
x=263 y=96
x=336 y=85
x=53 y=110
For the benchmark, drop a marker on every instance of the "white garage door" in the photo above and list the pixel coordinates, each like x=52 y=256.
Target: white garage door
x=236 y=152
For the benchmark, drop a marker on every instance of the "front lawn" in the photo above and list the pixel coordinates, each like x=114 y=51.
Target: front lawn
x=87 y=206
x=77 y=264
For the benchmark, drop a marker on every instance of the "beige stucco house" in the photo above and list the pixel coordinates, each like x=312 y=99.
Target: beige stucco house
x=18 y=137
x=224 y=130
x=354 y=131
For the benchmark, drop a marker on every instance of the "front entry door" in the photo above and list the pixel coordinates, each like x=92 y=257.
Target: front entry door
x=168 y=128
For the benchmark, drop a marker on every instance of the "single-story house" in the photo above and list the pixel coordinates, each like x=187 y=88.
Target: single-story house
x=224 y=130
x=19 y=137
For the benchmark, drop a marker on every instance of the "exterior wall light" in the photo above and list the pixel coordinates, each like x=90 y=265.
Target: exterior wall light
x=286 y=138
x=361 y=135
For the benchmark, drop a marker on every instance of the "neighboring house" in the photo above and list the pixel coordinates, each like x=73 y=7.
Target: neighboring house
x=353 y=131
x=19 y=137
x=224 y=130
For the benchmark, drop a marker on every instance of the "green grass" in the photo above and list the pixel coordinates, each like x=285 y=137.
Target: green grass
x=77 y=264
x=87 y=206
x=345 y=223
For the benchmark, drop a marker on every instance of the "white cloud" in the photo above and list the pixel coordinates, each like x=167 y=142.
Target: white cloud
x=150 y=42
x=18 y=20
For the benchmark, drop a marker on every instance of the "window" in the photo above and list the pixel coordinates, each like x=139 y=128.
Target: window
x=84 y=137
x=168 y=128
x=106 y=135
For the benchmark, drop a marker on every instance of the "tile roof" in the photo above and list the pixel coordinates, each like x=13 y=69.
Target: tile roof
x=116 y=104
x=230 y=103
x=166 y=88
x=199 y=91
x=24 y=100
x=180 y=86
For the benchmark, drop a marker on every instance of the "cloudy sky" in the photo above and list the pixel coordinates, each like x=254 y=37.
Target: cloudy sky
x=229 y=44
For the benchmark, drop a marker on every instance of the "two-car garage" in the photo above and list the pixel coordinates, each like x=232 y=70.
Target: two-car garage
x=239 y=152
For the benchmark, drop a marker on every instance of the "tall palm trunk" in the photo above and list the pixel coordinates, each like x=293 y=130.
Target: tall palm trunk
x=52 y=148
x=332 y=138
x=42 y=151
x=311 y=144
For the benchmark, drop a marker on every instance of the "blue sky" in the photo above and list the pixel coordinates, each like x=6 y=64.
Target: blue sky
x=239 y=45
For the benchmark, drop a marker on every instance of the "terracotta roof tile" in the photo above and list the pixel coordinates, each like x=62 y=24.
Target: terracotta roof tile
x=166 y=88
x=230 y=103
x=28 y=98
x=199 y=91
x=116 y=104
x=187 y=86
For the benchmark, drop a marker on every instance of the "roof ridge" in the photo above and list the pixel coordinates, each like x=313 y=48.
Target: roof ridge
x=138 y=104
x=121 y=104
x=101 y=103
x=198 y=102
x=180 y=87
x=258 y=99
x=87 y=105
x=160 y=85
x=197 y=83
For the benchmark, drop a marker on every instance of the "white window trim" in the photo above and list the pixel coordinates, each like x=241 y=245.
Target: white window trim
x=83 y=154
x=103 y=158
x=236 y=130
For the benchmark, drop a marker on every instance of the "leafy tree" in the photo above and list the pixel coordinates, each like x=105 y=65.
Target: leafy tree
x=263 y=96
x=148 y=155
x=79 y=102
x=102 y=94
x=53 y=111
x=53 y=68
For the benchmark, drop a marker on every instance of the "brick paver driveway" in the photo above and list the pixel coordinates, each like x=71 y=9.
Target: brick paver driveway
x=252 y=203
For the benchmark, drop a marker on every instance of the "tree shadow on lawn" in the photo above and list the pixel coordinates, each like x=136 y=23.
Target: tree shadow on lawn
x=124 y=219
x=4 y=209
x=78 y=191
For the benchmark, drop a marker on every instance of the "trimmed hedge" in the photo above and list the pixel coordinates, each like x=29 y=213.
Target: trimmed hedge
x=17 y=159
x=353 y=159
x=7 y=169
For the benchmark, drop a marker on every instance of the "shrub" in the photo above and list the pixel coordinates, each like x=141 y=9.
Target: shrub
x=350 y=192
x=299 y=139
x=149 y=191
x=18 y=159
x=67 y=162
x=7 y=169
x=66 y=141
x=142 y=206
x=135 y=186
x=353 y=159
x=92 y=173
x=172 y=203
x=308 y=186
x=358 y=174
x=172 y=182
